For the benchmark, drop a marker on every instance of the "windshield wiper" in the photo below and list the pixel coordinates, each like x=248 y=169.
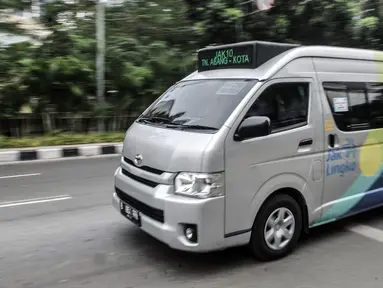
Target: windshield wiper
x=169 y=124
x=192 y=127
x=155 y=119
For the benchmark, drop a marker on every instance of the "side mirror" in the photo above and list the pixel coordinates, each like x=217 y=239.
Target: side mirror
x=253 y=127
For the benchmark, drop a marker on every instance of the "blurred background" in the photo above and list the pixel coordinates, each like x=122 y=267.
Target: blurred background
x=80 y=66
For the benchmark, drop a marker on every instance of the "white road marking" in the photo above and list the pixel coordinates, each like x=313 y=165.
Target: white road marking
x=367 y=231
x=34 y=201
x=19 y=176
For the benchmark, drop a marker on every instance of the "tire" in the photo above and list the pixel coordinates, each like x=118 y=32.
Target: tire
x=270 y=250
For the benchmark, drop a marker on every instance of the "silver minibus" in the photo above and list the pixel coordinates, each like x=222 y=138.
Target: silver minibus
x=261 y=143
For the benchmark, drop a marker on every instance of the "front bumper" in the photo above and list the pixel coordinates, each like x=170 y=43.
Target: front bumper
x=207 y=214
x=209 y=225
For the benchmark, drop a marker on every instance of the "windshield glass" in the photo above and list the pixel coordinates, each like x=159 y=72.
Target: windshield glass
x=198 y=104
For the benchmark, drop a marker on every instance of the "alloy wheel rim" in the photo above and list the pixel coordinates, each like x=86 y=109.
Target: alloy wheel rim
x=279 y=228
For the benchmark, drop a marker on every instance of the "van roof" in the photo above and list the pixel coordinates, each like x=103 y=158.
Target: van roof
x=263 y=59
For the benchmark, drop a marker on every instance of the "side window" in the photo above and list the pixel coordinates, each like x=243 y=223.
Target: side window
x=349 y=105
x=286 y=104
x=375 y=98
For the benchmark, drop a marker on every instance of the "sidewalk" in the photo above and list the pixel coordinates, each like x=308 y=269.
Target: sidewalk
x=57 y=152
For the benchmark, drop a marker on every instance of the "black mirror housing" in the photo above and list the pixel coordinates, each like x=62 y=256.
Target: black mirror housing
x=253 y=127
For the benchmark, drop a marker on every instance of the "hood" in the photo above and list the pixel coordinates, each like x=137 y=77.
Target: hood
x=165 y=149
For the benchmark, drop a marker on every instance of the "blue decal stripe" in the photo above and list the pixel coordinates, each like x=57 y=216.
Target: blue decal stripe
x=370 y=199
x=342 y=208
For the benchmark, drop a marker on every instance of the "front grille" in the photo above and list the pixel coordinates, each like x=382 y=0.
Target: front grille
x=147 y=210
x=139 y=179
x=145 y=168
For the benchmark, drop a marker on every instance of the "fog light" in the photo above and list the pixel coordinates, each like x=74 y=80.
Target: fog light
x=191 y=233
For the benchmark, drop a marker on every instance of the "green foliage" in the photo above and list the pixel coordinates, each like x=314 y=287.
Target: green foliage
x=152 y=44
x=148 y=47
x=61 y=139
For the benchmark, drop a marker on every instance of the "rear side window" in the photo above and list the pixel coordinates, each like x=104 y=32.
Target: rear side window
x=355 y=106
x=375 y=98
x=286 y=104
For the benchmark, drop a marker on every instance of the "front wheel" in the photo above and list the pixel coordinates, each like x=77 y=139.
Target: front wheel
x=276 y=229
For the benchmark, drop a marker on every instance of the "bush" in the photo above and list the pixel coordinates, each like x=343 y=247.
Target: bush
x=61 y=139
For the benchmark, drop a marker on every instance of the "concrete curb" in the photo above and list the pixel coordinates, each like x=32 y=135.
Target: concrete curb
x=45 y=153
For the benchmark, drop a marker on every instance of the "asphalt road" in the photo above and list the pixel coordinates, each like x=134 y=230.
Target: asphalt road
x=58 y=229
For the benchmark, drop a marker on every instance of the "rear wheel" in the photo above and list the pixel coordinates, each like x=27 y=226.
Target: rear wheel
x=276 y=229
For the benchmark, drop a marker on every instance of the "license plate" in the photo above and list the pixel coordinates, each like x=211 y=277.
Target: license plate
x=129 y=212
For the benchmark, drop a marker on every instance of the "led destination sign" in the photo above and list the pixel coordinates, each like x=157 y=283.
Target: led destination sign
x=245 y=55
x=226 y=58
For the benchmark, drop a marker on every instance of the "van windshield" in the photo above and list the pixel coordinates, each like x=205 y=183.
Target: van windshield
x=198 y=104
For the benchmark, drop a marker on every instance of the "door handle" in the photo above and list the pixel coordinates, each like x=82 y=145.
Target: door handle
x=331 y=140
x=306 y=142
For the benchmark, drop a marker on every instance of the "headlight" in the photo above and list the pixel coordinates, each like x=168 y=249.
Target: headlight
x=200 y=185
